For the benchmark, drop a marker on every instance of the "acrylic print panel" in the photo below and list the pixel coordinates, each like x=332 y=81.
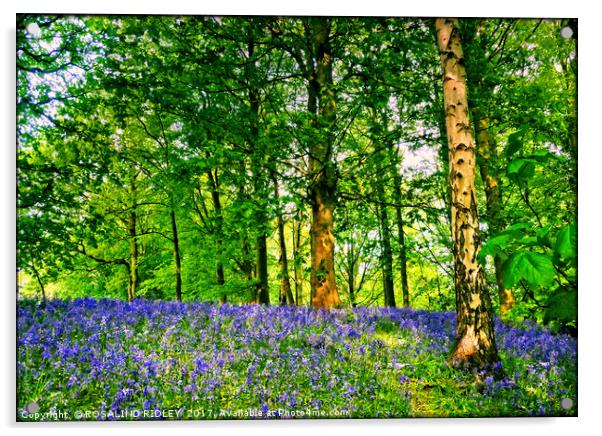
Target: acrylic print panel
x=248 y=218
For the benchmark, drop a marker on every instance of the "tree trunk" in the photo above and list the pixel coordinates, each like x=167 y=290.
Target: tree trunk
x=487 y=155
x=176 y=253
x=385 y=239
x=260 y=188
x=286 y=295
x=133 y=268
x=475 y=340
x=403 y=257
x=322 y=171
x=351 y=269
x=246 y=264
x=297 y=261
x=40 y=283
x=248 y=268
x=263 y=295
x=218 y=231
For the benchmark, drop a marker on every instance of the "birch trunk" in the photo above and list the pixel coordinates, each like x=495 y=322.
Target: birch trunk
x=475 y=340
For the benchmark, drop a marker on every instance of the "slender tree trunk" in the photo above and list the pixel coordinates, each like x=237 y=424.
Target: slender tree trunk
x=248 y=268
x=322 y=171
x=297 y=225
x=40 y=283
x=133 y=268
x=246 y=264
x=176 y=253
x=487 y=155
x=387 y=253
x=475 y=339
x=218 y=231
x=262 y=270
x=386 y=256
x=351 y=267
x=403 y=257
x=286 y=295
x=263 y=294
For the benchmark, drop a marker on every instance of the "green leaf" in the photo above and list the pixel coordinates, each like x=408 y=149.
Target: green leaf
x=542 y=156
x=515 y=141
x=543 y=236
x=530 y=241
x=566 y=242
x=494 y=246
x=562 y=307
x=535 y=268
x=516 y=229
x=521 y=170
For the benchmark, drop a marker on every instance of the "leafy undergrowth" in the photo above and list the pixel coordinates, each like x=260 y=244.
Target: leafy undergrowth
x=105 y=359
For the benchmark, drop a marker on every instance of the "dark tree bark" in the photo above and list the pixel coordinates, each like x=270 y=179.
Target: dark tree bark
x=176 y=254
x=246 y=264
x=132 y=229
x=351 y=280
x=263 y=296
x=297 y=225
x=260 y=183
x=385 y=239
x=133 y=270
x=248 y=267
x=40 y=283
x=217 y=230
x=399 y=221
x=475 y=339
x=286 y=295
x=351 y=267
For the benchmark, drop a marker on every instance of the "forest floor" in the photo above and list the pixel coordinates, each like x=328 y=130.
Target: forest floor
x=107 y=359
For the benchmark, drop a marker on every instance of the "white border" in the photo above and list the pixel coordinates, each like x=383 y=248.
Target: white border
x=590 y=188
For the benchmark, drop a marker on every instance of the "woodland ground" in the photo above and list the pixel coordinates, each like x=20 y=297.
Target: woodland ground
x=107 y=359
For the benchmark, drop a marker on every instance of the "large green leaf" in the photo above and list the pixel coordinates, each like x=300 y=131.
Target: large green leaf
x=566 y=242
x=562 y=307
x=521 y=170
x=535 y=268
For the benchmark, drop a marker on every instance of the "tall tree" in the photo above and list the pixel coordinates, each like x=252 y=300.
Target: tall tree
x=322 y=169
x=219 y=229
x=134 y=278
x=480 y=76
x=487 y=159
x=475 y=338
